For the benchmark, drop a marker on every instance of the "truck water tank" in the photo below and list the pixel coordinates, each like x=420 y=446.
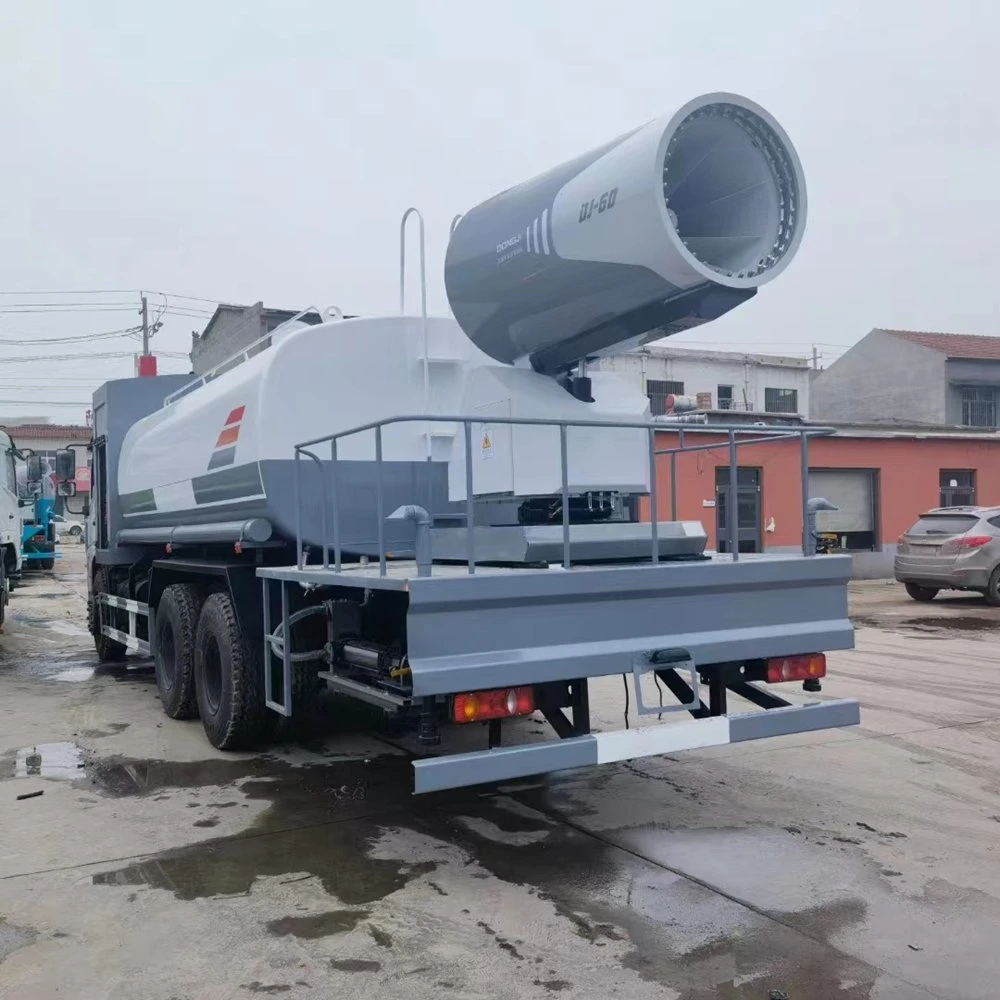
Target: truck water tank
x=664 y=228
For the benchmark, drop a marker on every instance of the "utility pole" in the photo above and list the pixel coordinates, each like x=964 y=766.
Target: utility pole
x=145 y=326
x=815 y=359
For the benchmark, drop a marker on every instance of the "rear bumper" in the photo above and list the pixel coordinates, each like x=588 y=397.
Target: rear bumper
x=959 y=577
x=459 y=770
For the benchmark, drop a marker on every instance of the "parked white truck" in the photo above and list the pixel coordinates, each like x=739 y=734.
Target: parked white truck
x=444 y=517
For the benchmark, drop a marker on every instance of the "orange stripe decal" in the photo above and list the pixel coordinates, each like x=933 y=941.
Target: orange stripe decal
x=228 y=436
x=236 y=416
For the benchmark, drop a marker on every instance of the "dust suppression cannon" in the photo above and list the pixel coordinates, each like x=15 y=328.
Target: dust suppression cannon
x=662 y=229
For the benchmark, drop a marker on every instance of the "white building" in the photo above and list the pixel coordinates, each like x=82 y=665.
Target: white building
x=725 y=380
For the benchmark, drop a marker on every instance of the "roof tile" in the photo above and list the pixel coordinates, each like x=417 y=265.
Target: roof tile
x=954 y=345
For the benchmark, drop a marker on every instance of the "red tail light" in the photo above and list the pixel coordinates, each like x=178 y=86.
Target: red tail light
x=796 y=668
x=505 y=703
x=966 y=542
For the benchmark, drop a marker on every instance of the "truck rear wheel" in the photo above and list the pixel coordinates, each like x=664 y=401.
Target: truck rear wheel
x=176 y=621
x=108 y=651
x=229 y=678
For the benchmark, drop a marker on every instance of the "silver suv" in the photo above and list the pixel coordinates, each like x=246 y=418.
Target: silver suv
x=951 y=548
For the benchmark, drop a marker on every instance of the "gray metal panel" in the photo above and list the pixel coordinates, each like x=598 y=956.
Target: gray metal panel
x=851 y=491
x=117 y=406
x=436 y=773
x=796 y=719
x=588 y=542
x=534 y=626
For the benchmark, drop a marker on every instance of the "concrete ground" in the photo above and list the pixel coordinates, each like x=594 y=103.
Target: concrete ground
x=845 y=864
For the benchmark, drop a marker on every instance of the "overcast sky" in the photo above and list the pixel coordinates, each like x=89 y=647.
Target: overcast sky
x=262 y=150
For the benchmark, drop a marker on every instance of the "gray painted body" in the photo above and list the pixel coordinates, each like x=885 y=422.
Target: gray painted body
x=228 y=494
x=528 y=626
x=588 y=542
x=117 y=406
x=434 y=774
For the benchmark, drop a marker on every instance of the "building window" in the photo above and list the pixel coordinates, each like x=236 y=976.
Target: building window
x=724 y=395
x=958 y=487
x=781 y=400
x=657 y=391
x=979 y=406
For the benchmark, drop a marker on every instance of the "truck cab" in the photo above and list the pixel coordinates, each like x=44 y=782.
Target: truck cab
x=10 y=523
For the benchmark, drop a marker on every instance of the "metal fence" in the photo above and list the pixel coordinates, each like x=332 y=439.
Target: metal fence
x=328 y=480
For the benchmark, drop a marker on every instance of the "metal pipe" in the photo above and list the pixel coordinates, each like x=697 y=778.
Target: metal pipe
x=268 y=661
x=254 y=530
x=654 y=511
x=423 y=302
x=733 y=506
x=298 y=511
x=470 y=511
x=690 y=449
x=286 y=651
x=564 y=464
x=422 y=534
x=379 y=501
x=323 y=505
x=336 y=505
x=444 y=418
x=807 y=549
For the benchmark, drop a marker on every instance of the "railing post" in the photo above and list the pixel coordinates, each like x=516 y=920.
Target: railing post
x=673 y=475
x=379 y=501
x=804 y=472
x=564 y=463
x=733 y=506
x=298 y=511
x=335 y=504
x=654 y=514
x=470 y=511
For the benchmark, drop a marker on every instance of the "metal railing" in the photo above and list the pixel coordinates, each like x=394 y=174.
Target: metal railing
x=329 y=497
x=253 y=348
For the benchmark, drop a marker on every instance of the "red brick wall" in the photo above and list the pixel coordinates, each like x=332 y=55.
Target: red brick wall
x=907 y=479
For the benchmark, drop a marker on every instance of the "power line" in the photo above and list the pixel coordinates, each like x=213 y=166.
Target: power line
x=94 y=356
x=128 y=331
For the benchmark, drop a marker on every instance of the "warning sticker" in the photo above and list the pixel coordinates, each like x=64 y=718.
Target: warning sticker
x=486 y=447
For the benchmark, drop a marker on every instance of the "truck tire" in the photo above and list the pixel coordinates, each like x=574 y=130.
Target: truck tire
x=46 y=547
x=108 y=651
x=992 y=592
x=922 y=594
x=229 y=678
x=176 y=622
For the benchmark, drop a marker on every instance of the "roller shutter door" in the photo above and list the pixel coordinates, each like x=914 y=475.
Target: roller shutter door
x=852 y=492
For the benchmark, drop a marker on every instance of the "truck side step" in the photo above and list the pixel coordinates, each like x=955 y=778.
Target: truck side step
x=136 y=609
x=363 y=692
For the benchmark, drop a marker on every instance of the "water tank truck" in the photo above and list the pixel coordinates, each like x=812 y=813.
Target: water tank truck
x=448 y=518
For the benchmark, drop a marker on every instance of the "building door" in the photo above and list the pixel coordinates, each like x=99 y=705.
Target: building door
x=747 y=507
x=852 y=491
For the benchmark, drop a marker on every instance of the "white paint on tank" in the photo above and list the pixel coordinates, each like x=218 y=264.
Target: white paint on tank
x=334 y=376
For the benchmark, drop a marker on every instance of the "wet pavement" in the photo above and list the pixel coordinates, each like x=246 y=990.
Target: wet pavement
x=858 y=864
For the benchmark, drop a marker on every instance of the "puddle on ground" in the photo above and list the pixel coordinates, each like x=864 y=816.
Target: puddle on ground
x=69 y=667
x=63 y=761
x=322 y=822
x=74 y=675
x=12 y=937
x=929 y=623
x=317 y=925
x=50 y=624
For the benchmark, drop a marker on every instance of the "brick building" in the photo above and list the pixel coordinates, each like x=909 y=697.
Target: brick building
x=880 y=478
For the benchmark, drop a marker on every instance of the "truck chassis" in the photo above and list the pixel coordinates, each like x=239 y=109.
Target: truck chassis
x=243 y=639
